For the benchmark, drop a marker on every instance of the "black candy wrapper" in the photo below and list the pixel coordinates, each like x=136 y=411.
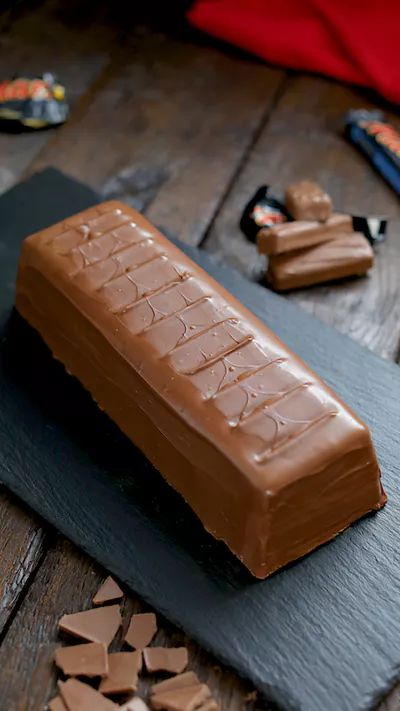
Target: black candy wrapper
x=33 y=103
x=378 y=140
x=262 y=211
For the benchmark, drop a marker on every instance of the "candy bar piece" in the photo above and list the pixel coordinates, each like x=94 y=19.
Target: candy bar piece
x=83 y=659
x=57 y=704
x=108 y=592
x=349 y=254
x=122 y=678
x=81 y=697
x=141 y=630
x=272 y=462
x=306 y=200
x=301 y=233
x=176 y=682
x=99 y=625
x=170 y=659
x=187 y=698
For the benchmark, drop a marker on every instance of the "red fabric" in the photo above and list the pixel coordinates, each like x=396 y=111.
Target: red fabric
x=357 y=41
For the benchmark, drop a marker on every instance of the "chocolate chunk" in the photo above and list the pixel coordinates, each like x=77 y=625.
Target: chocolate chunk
x=301 y=233
x=306 y=200
x=134 y=704
x=176 y=682
x=81 y=697
x=99 y=625
x=200 y=385
x=83 y=659
x=107 y=592
x=57 y=704
x=141 y=631
x=123 y=673
x=349 y=254
x=184 y=699
x=170 y=659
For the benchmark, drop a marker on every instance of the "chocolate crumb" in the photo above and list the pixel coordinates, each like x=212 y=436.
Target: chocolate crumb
x=141 y=631
x=107 y=592
x=124 y=668
x=170 y=659
x=99 y=625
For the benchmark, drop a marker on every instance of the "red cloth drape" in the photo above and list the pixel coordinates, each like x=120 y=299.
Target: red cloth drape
x=356 y=41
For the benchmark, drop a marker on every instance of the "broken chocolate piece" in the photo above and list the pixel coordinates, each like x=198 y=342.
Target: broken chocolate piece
x=301 y=233
x=210 y=705
x=83 y=659
x=107 y=592
x=124 y=668
x=176 y=682
x=81 y=697
x=57 y=704
x=134 y=704
x=306 y=200
x=347 y=255
x=142 y=629
x=200 y=385
x=185 y=699
x=170 y=659
x=100 y=625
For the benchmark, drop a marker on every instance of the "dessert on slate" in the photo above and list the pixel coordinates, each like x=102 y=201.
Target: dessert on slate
x=271 y=460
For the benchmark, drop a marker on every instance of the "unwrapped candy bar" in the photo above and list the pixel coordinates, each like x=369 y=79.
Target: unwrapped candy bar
x=268 y=457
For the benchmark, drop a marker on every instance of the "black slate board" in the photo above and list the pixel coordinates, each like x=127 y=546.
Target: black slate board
x=322 y=635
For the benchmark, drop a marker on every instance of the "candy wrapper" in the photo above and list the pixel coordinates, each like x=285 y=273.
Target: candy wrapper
x=378 y=140
x=35 y=103
x=262 y=211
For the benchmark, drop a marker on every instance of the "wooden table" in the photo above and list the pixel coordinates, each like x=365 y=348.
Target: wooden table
x=184 y=129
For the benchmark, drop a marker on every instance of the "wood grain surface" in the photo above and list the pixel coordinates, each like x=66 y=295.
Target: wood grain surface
x=185 y=129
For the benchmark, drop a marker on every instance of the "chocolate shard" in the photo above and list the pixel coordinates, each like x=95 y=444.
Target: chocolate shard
x=122 y=678
x=99 y=625
x=81 y=697
x=170 y=659
x=349 y=254
x=306 y=200
x=210 y=705
x=57 y=704
x=200 y=385
x=141 y=630
x=176 y=682
x=184 y=699
x=107 y=592
x=83 y=659
x=295 y=235
x=134 y=704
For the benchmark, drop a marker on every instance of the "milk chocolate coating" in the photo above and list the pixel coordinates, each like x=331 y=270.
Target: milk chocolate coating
x=271 y=460
x=306 y=200
x=290 y=236
x=349 y=254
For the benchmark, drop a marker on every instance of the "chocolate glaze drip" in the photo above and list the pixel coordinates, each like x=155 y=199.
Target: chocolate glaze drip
x=268 y=457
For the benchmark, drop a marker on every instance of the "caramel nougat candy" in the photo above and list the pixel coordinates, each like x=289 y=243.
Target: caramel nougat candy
x=270 y=459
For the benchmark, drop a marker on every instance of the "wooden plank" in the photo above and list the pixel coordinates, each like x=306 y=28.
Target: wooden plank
x=303 y=139
x=74 y=46
x=22 y=543
x=168 y=130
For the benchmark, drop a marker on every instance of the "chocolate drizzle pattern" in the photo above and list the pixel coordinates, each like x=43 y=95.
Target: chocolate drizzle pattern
x=200 y=335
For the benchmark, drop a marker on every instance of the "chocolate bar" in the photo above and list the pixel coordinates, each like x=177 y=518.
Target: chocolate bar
x=290 y=236
x=349 y=254
x=306 y=200
x=272 y=462
x=378 y=140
